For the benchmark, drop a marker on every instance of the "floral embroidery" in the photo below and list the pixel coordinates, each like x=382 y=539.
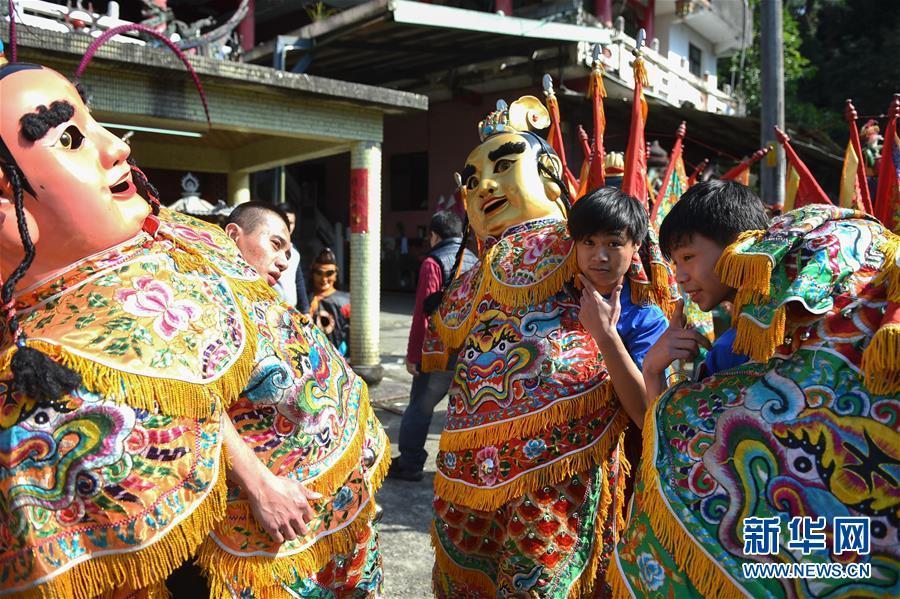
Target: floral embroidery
x=488 y=459
x=151 y=297
x=450 y=460
x=652 y=574
x=534 y=448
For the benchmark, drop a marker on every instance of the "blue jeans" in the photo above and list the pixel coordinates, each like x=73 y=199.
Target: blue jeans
x=428 y=389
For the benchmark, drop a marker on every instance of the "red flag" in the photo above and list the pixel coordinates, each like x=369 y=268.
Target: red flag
x=808 y=189
x=698 y=171
x=675 y=182
x=887 y=196
x=554 y=135
x=670 y=190
x=861 y=199
x=596 y=177
x=741 y=172
x=635 y=180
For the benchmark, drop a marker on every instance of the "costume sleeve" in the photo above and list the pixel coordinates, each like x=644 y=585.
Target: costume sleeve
x=302 y=298
x=648 y=326
x=429 y=282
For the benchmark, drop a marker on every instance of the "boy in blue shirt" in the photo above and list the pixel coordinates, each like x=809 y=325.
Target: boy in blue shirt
x=707 y=219
x=608 y=227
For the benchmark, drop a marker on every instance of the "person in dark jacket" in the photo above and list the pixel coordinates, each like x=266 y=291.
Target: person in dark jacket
x=428 y=388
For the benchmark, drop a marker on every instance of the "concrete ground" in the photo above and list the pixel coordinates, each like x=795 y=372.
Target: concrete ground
x=405 y=540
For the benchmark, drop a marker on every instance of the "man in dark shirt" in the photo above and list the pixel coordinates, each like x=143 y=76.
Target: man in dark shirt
x=428 y=388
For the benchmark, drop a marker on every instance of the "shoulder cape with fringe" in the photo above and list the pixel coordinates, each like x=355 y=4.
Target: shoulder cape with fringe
x=805 y=430
x=119 y=483
x=115 y=485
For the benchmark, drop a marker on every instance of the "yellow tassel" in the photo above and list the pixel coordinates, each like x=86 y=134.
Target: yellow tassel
x=757 y=342
x=147 y=567
x=489 y=499
x=584 y=585
x=749 y=272
x=890 y=269
x=433 y=361
x=166 y=396
x=692 y=560
x=260 y=572
x=512 y=297
x=616 y=580
x=562 y=410
x=472 y=578
x=881 y=361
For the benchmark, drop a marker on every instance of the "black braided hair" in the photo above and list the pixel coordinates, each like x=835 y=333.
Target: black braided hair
x=34 y=373
x=144 y=187
x=433 y=301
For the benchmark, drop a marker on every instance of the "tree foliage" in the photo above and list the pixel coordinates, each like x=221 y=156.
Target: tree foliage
x=833 y=50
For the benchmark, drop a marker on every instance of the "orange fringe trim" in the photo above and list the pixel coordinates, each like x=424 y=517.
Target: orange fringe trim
x=445 y=565
x=487 y=500
x=616 y=580
x=758 y=342
x=751 y=272
x=510 y=296
x=890 y=269
x=558 y=412
x=147 y=567
x=432 y=361
x=260 y=572
x=881 y=361
x=584 y=585
x=692 y=560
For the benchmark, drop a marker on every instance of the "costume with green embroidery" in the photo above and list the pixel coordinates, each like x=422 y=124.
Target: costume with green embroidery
x=808 y=428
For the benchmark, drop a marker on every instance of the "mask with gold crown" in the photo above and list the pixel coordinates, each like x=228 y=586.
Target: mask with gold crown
x=514 y=175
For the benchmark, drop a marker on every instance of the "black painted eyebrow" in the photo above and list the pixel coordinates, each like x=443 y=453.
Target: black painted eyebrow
x=467 y=172
x=510 y=147
x=35 y=125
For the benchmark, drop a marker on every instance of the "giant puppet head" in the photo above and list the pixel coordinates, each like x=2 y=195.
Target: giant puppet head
x=79 y=196
x=513 y=176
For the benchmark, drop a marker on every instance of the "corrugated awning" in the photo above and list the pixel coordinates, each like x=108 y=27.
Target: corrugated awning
x=386 y=41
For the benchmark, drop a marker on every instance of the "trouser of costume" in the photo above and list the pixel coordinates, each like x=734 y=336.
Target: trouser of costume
x=428 y=389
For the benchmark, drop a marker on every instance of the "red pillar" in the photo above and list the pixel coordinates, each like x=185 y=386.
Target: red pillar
x=603 y=10
x=247 y=27
x=504 y=5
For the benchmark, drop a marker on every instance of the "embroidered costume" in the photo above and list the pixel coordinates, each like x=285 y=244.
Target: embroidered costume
x=118 y=482
x=807 y=428
x=530 y=474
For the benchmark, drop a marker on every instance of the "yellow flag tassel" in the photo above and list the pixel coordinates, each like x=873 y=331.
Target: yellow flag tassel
x=486 y=500
x=614 y=577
